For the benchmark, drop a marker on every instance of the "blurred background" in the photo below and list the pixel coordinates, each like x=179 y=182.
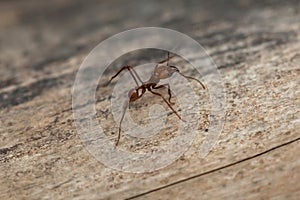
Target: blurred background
x=35 y=33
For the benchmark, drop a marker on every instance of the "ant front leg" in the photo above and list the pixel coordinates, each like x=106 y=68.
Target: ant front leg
x=169 y=90
x=158 y=94
x=167 y=59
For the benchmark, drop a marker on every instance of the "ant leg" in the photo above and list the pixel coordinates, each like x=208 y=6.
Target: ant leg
x=158 y=94
x=125 y=106
x=169 y=90
x=167 y=59
x=136 y=74
x=133 y=73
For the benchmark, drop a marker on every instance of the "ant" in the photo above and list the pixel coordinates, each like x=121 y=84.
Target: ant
x=160 y=72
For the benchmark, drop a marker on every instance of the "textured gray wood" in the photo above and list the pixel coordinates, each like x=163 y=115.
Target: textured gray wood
x=256 y=47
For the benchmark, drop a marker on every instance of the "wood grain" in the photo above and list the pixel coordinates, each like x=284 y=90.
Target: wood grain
x=255 y=45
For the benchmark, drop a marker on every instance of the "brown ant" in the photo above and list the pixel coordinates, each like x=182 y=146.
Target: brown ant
x=160 y=72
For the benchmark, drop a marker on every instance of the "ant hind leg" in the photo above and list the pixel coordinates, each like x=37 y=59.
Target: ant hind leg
x=132 y=72
x=125 y=106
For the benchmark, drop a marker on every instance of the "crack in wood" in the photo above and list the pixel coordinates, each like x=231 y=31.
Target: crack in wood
x=215 y=170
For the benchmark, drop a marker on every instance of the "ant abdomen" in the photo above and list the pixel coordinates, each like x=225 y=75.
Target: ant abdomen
x=133 y=95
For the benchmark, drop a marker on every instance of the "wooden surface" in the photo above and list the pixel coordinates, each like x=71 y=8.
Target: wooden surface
x=255 y=45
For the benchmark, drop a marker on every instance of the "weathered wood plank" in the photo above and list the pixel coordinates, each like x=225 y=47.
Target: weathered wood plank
x=264 y=177
x=255 y=45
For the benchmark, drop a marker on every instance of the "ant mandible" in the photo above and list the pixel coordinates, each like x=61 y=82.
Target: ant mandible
x=160 y=72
